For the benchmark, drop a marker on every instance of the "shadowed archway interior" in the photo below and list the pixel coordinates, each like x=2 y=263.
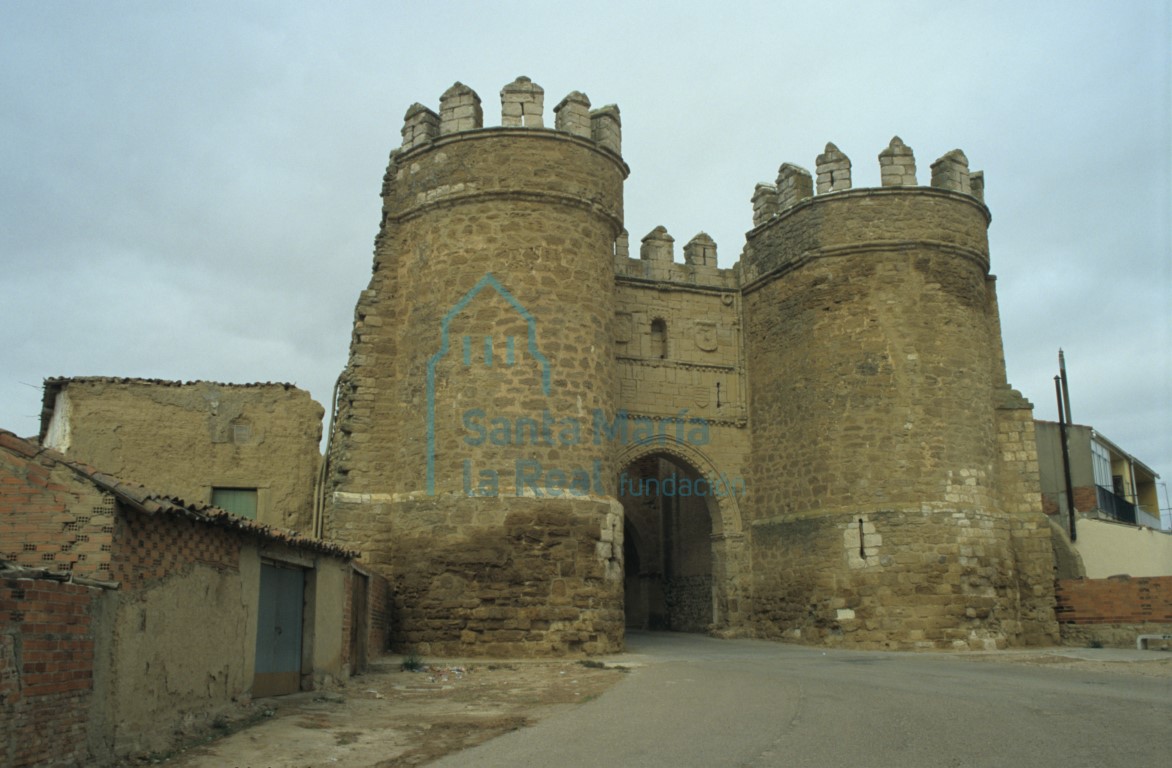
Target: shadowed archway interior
x=667 y=546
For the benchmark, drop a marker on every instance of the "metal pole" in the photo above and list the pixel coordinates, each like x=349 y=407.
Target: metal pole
x=1065 y=459
x=1065 y=387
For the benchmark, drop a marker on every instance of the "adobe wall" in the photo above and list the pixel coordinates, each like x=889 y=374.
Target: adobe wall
x=185 y=439
x=183 y=635
x=180 y=632
x=171 y=643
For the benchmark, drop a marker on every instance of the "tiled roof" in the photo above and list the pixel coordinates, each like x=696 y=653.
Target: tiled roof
x=59 y=380
x=152 y=503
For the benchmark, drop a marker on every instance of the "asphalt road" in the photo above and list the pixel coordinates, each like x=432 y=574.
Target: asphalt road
x=698 y=701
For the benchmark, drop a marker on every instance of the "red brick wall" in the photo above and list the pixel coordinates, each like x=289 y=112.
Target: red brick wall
x=1118 y=600
x=1086 y=499
x=46 y=671
x=148 y=548
x=50 y=520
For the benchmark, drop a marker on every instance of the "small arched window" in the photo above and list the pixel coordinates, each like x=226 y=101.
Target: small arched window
x=659 y=338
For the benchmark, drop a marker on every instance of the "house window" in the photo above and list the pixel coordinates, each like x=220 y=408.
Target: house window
x=238 y=501
x=1101 y=464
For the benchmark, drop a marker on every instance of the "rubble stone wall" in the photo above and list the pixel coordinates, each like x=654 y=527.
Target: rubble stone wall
x=502 y=576
x=876 y=512
x=473 y=462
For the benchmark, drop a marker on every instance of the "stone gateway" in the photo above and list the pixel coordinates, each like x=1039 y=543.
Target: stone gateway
x=541 y=440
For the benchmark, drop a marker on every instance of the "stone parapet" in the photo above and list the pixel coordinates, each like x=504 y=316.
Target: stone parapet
x=834 y=170
x=656 y=262
x=522 y=106
x=897 y=168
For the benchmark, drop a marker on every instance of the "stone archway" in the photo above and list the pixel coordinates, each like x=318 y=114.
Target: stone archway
x=727 y=569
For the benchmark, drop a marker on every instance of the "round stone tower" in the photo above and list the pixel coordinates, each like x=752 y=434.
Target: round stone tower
x=875 y=373
x=466 y=463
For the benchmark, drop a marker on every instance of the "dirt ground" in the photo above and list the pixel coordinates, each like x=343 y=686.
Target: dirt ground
x=389 y=717
x=1158 y=666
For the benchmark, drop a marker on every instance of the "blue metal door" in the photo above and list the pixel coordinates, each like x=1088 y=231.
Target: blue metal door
x=278 y=632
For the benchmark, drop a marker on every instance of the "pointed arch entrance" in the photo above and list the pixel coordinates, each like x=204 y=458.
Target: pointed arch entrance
x=645 y=577
x=667 y=545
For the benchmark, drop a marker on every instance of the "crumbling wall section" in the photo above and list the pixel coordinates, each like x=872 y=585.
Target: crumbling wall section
x=183 y=439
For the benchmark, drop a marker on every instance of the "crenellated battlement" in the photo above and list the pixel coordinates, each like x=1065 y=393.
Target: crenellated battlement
x=522 y=106
x=897 y=168
x=656 y=261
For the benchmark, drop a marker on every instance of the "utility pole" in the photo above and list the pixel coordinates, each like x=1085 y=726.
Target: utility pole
x=1058 y=388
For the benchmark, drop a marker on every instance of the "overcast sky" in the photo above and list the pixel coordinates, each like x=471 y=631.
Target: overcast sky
x=190 y=190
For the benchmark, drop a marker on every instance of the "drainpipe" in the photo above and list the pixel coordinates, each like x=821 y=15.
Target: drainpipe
x=319 y=491
x=1065 y=458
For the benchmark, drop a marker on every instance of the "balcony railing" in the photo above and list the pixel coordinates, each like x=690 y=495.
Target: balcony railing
x=1114 y=506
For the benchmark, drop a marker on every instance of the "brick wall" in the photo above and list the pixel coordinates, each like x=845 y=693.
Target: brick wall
x=47 y=519
x=46 y=672
x=1118 y=600
x=1086 y=499
x=378 y=601
x=148 y=548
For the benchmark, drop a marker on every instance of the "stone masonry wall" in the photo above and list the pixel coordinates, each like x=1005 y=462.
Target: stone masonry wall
x=870 y=361
x=481 y=381
x=848 y=373
x=690 y=368
x=876 y=513
x=433 y=253
x=929 y=579
x=503 y=576
x=1030 y=531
